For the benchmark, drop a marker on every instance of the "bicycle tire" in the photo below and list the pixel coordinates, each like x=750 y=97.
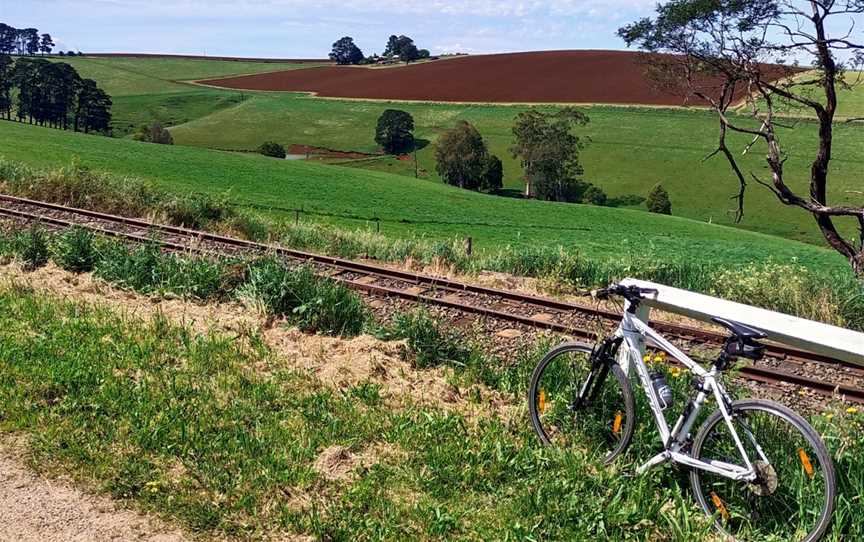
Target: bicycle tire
x=623 y=432
x=718 y=508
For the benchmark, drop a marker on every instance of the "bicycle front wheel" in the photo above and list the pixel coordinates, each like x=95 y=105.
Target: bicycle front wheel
x=793 y=495
x=601 y=422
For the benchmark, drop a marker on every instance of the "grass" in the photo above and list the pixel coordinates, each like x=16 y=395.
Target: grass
x=181 y=425
x=406 y=207
x=148 y=89
x=632 y=149
x=812 y=292
x=312 y=303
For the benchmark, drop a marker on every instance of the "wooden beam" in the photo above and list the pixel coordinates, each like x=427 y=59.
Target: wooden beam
x=832 y=341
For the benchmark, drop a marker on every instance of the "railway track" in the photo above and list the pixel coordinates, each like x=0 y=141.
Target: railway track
x=782 y=365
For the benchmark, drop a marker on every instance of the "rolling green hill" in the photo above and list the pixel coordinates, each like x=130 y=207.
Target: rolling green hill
x=631 y=148
x=147 y=89
x=407 y=207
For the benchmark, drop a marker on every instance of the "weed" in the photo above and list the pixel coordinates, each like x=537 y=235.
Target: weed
x=74 y=250
x=32 y=248
x=313 y=303
x=429 y=342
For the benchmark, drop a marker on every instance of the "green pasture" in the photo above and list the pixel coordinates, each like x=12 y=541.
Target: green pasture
x=406 y=207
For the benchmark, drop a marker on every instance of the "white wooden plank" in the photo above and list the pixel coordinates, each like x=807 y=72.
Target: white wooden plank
x=816 y=337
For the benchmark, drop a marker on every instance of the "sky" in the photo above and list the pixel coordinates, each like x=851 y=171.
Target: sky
x=307 y=29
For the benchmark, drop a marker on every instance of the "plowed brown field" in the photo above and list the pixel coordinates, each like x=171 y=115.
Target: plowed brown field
x=615 y=77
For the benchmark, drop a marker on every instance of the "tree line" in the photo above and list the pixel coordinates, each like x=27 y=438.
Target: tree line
x=24 y=41
x=52 y=94
x=403 y=48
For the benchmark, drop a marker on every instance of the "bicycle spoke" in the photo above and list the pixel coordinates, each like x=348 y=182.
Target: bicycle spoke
x=788 y=496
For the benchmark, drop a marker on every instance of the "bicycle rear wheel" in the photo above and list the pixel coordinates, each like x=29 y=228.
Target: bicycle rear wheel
x=602 y=423
x=793 y=496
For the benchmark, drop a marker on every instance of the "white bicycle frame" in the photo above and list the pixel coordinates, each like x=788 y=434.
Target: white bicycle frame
x=634 y=333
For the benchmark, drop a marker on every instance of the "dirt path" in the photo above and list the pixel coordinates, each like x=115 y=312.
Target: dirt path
x=34 y=509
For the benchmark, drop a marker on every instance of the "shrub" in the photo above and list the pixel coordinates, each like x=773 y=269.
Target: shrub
x=312 y=303
x=658 y=200
x=154 y=133
x=273 y=149
x=394 y=131
x=32 y=248
x=594 y=195
x=74 y=250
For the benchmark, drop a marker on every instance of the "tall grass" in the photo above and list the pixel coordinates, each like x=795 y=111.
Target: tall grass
x=79 y=186
x=313 y=303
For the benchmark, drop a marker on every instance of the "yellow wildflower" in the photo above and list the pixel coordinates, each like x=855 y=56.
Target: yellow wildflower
x=851 y=410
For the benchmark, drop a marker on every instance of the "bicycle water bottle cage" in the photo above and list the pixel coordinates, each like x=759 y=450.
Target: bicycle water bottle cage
x=743 y=342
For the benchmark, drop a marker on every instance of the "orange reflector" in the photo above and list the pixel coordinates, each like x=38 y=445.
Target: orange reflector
x=718 y=504
x=805 y=462
x=616 y=425
x=541 y=402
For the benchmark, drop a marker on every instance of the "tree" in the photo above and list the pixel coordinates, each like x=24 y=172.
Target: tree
x=8 y=39
x=732 y=41
x=26 y=77
x=6 y=86
x=154 y=133
x=346 y=52
x=424 y=53
x=409 y=53
x=46 y=45
x=394 y=131
x=28 y=41
x=392 y=47
x=462 y=159
x=658 y=200
x=493 y=175
x=549 y=153
x=273 y=149
x=93 y=110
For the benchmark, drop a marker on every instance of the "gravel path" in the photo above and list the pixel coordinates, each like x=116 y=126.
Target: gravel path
x=34 y=509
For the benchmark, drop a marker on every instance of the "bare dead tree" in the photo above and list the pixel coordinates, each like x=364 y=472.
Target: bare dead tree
x=748 y=55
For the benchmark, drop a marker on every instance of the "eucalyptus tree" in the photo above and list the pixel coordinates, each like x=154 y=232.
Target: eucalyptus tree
x=726 y=51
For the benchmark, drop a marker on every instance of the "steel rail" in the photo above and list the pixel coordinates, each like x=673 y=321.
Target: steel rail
x=433 y=283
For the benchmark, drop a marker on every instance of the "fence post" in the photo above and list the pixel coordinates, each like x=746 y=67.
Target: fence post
x=296 y=217
x=468 y=246
x=377 y=225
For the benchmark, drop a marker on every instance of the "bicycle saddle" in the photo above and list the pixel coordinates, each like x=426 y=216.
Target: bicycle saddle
x=740 y=330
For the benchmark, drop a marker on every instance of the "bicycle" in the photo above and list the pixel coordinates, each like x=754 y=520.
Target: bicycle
x=778 y=480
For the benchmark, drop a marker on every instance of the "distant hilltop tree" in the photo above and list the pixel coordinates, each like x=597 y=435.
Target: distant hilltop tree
x=394 y=131
x=154 y=133
x=346 y=52
x=462 y=159
x=25 y=41
x=273 y=149
x=404 y=48
x=46 y=44
x=658 y=200
x=8 y=39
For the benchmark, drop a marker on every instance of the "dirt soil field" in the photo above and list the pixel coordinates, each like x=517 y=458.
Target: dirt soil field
x=328 y=154
x=36 y=509
x=612 y=77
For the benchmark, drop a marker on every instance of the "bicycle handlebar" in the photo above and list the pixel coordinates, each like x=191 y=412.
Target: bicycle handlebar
x=630 y=293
